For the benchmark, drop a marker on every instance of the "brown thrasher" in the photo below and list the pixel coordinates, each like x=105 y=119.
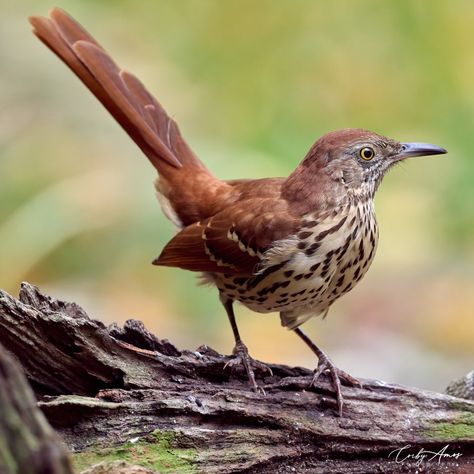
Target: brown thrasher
x=292 y=245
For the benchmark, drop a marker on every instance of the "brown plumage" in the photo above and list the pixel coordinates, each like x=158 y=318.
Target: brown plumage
x=292 y=245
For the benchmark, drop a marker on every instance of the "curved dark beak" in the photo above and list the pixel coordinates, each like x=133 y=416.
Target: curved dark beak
x=419 y=149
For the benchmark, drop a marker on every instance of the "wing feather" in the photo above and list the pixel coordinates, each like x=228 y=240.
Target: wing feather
x=233 y=241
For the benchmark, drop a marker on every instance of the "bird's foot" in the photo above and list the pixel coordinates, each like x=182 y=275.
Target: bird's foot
x=326 y=364
x=242 y=357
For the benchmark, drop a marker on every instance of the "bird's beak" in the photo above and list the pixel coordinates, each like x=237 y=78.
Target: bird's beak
x=419 y=149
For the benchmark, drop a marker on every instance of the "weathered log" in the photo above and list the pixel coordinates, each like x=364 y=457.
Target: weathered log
x=28 y=445
x=116 y=393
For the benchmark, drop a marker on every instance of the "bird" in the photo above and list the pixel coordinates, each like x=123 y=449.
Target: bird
x=292 y=245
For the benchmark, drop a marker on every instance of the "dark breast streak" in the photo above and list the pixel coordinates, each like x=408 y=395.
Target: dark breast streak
x=313 y=268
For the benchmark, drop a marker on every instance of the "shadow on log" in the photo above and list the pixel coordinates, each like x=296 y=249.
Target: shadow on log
x=123 y=394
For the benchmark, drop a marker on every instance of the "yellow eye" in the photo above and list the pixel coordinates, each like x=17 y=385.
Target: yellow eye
x=367 y=153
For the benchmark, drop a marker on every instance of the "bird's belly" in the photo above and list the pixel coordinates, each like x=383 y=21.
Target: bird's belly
x=308 y=282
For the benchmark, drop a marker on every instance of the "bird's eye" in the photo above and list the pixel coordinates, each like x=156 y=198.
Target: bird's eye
x=367 y=153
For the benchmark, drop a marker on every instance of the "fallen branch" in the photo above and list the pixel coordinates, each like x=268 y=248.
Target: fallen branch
x=123 y=393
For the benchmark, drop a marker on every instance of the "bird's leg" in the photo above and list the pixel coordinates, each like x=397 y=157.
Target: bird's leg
x=241 y=353
x=325 y=363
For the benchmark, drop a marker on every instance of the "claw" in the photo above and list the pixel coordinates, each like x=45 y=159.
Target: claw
x=242 y=357
x=325 y=364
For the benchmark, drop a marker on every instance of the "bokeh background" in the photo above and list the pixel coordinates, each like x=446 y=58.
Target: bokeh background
x=252 y=85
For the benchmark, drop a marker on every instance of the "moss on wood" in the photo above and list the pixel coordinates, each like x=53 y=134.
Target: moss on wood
x=158 y=451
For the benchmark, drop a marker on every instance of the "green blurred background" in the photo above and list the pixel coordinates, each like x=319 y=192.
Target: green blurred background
x=252 y=85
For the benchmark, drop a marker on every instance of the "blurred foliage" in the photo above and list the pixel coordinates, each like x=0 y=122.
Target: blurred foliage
x=252 y=85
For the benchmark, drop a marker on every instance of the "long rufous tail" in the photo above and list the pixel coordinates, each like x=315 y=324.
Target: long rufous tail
x=182 y=175
x=120 y=92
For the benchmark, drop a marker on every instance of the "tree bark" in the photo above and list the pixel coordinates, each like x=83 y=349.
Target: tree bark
x=122 y=393
x=28 y=445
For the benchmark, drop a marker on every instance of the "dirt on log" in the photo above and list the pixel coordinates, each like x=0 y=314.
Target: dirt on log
x=122 y=394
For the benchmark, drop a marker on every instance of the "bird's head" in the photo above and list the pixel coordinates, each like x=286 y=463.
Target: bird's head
x=356 y=160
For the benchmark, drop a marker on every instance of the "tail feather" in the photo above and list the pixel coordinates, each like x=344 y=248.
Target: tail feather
x=157 y=118
x=109 y=77
x=121 y=93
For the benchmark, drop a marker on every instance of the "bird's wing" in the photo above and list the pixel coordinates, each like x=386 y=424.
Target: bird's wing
x=234 y=240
